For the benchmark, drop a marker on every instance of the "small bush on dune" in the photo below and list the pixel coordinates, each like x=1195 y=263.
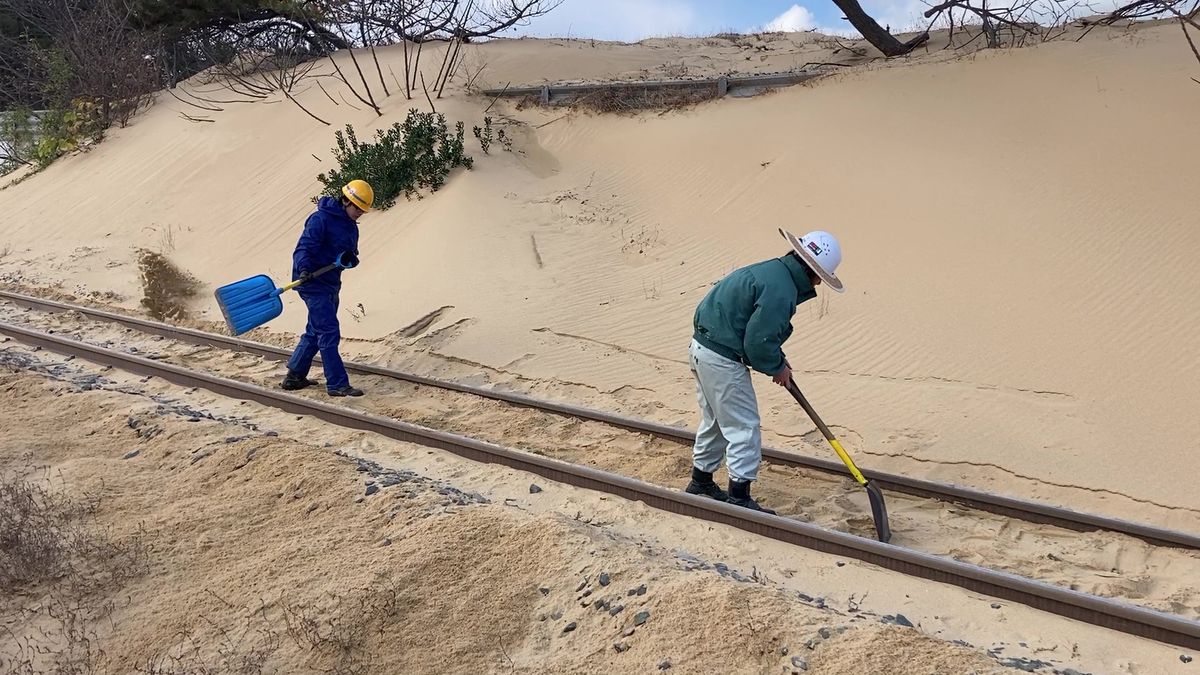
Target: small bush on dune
x=403 y=159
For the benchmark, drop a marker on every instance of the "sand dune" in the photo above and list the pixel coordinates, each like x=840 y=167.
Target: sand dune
x=1018 y=225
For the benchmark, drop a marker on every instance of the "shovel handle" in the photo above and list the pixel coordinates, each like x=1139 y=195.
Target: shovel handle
x=288 y=287
x=837 y=446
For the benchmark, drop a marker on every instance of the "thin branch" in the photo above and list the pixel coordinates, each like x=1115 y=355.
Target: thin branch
x=1186 y=34
x=347 y=83
x=440 y=76
x=366 y=86
x=404 y=43
x=395 y=79
x=546 y=124
x=343 y=97
x=13 y=159
x=300 y=106
x=431 y=106
x=217 y=101
x=326 y=93
x=195 y=119
x=379 y=69
x=194 y=105
x=417 y=64
x=497 y=97
x=512 y=667
x=1170 y=8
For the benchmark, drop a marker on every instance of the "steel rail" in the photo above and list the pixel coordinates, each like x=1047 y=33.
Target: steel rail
x=1027 y=510
x=1104 y=612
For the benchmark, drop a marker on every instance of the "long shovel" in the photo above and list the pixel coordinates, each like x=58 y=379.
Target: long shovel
x=878 y=508
x=249 y=303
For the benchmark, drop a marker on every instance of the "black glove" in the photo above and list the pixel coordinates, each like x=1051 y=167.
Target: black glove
x=347 y=260
x=305 y=275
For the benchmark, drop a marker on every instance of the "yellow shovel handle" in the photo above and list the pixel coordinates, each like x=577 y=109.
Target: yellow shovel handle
x=837 y=447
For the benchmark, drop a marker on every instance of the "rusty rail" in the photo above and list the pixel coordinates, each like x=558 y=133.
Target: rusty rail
x=1029 y=511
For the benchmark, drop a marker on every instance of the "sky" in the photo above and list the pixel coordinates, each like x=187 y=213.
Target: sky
x=632 y=20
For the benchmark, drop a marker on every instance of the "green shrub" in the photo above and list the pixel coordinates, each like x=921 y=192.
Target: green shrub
x=403 y=159
x=66 y=125
x=485 y=134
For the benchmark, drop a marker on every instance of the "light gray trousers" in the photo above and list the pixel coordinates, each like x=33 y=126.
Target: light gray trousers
x=729 y=422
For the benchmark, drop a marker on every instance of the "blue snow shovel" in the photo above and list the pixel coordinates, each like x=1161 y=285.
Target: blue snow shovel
x=249 y=303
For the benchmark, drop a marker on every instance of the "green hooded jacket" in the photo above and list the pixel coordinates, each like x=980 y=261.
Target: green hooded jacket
x=747 y=316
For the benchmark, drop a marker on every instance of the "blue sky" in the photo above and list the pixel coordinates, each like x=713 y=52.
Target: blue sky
x=632 y=20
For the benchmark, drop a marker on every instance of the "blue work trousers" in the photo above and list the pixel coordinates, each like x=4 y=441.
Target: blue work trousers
x=321 y=335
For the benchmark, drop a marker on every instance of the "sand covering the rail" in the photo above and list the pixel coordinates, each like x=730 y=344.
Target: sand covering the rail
x=260 y=555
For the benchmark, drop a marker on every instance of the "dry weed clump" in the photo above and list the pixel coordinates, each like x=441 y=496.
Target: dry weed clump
x=166 y=289
x=58 y=571
x=49 y=538
x=248 y=649
x=338 y=634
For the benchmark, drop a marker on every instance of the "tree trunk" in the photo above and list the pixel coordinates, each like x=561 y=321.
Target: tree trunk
x=874 y=33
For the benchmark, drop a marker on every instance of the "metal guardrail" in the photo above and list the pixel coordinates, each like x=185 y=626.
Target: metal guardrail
x=723 y=84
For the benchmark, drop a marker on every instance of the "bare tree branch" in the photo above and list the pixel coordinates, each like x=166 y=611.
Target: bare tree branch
x=431 y=106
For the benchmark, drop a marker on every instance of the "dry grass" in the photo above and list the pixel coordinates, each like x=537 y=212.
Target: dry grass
x=60 y=572
x=57 y=569
x=47 y=538
x=338 y=635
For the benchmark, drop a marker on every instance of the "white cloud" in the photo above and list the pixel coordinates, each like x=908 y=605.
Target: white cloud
x=794 y=20
x=900 y=15
x=799 y=18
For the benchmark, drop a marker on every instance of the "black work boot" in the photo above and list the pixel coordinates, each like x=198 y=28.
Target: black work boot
x=702 y=484
x=294 y=381
x=346 y=391
x=739 y=495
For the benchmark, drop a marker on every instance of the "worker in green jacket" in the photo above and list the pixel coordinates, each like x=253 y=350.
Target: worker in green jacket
x=741 y=324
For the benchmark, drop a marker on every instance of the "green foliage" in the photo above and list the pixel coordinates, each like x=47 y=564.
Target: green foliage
x=18 y=136
x=485 y=134
x=420 y=153
x=68 y=123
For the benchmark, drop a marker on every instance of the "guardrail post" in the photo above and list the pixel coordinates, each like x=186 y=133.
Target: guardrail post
x=545 y=97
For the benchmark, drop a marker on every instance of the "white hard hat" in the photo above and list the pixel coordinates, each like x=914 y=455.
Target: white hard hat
x=821 y=252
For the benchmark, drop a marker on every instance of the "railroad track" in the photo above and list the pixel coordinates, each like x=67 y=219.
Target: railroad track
x=1026 y=510
x=1106 y=612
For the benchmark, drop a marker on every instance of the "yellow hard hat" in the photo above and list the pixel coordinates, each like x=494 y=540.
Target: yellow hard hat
x=360 y=192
